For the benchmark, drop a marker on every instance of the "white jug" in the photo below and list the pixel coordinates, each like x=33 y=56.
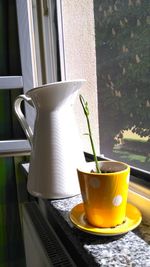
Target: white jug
x=56 y=150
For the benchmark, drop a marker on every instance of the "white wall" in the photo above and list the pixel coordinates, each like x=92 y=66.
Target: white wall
x=80 y=60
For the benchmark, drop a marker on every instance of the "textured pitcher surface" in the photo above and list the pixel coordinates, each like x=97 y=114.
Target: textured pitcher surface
x=56 y=146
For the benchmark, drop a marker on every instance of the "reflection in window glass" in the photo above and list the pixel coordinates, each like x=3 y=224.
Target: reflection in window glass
x=123 y=63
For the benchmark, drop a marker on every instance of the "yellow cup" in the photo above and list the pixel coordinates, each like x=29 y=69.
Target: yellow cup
x=105 y=194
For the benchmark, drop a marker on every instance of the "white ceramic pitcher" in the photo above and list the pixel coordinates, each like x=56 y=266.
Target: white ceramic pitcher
x=55 y=144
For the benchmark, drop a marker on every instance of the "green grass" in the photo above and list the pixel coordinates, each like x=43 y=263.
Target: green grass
x=135 y=140
x=130 y=156
x=138 y=161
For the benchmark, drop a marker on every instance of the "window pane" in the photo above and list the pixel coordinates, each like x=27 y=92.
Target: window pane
x=9 y=44
x=123 y=63
x=10 y=65
x=9 y=125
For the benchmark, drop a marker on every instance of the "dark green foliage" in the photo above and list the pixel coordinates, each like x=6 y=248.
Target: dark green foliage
x=123 y=67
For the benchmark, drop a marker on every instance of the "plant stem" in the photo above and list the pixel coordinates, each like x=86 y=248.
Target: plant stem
x=86 y=112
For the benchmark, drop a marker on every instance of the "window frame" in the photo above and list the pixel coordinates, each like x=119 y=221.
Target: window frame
x=134 y=171
x=139 y=189
x=32 y=72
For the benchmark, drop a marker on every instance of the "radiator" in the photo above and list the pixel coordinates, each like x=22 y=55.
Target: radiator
x=42 y=246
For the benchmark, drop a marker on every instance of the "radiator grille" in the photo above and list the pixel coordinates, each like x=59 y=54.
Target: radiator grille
x=54 y=249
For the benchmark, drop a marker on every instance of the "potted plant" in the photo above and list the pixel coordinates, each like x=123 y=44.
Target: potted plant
x=104 y=186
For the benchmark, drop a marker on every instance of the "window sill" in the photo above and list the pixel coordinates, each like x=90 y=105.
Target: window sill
x=140 y=197
x=131 y=248
x=128 y=249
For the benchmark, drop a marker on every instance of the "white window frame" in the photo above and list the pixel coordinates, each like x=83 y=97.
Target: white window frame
x=30 y=63
x=139 y=195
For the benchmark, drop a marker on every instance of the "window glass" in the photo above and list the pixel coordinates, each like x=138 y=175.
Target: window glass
x=9 y=44
x=9 y=66
x=122 y=30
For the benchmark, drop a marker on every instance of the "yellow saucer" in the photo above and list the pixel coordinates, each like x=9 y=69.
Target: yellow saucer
x=132 y=220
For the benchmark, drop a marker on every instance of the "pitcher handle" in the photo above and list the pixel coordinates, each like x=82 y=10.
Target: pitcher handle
x=17 y=107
